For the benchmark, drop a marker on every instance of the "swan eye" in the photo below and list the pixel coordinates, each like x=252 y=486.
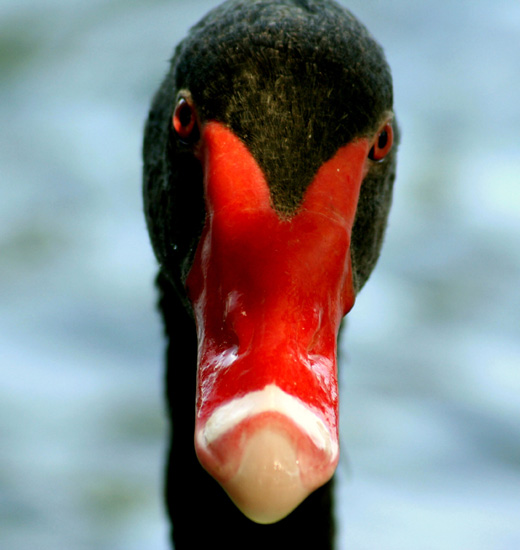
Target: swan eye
x=185 y=121
x=383 y=143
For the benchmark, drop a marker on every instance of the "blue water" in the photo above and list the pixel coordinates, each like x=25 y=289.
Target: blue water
x=430 y=396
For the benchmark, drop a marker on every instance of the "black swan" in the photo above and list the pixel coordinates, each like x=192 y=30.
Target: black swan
x=269 y=161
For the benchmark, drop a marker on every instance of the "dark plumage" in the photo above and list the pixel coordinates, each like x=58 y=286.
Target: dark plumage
x=294 y=80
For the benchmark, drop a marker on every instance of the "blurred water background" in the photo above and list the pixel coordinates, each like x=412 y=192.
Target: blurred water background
x=430 y=396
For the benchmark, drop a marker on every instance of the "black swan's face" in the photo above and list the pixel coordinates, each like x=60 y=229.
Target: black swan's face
x=269 y=163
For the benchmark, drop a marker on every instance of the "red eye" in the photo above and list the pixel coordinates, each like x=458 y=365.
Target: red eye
x=185 y=121
x=383 y=143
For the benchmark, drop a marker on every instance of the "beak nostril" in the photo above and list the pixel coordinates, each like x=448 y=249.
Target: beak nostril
x=315 y=343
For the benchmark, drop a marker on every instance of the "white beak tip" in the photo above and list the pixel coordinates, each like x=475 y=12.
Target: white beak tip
x=268 y=484
x=268 y=451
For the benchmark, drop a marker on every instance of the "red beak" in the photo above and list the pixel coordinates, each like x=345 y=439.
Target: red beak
x=269 y=293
